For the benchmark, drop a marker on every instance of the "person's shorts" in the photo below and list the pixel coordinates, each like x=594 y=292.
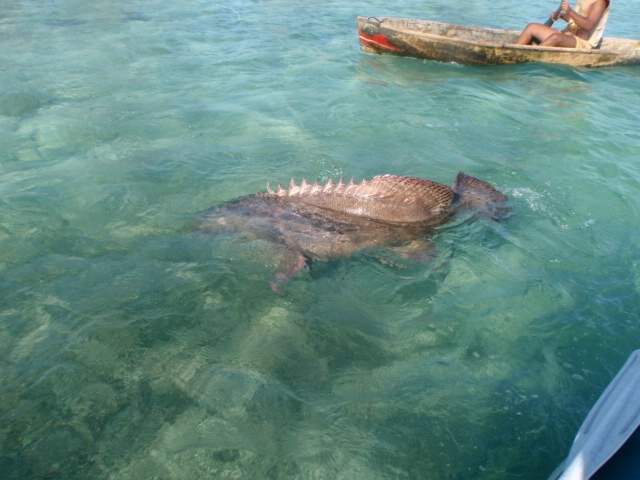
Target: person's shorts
x=582 y=43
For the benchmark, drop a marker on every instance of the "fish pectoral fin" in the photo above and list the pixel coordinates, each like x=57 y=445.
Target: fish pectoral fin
x=287 y=267
x=402 y=256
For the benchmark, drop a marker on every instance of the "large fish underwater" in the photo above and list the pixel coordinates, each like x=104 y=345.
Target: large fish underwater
x=331 y=221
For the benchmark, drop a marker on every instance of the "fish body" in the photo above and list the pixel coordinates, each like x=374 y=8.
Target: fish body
x=334 y=220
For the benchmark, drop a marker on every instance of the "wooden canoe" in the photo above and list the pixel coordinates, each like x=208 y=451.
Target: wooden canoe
x=447 y=42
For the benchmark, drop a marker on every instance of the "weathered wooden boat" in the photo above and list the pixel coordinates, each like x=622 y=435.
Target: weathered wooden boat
x=467 y=45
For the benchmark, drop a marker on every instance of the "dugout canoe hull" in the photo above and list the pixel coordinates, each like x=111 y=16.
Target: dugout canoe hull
x=468 y=45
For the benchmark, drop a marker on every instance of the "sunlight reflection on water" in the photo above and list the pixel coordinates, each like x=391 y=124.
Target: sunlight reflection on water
x=136 y=348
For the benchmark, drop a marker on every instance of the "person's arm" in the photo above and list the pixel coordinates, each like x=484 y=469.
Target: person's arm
x=588 y=22
x=558 y=14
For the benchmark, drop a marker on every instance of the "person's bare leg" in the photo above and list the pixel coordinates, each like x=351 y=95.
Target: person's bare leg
x=559 y=40
x=535 y=32
x=526 y=37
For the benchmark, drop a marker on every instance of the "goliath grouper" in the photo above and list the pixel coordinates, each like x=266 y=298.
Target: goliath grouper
x=326 y=222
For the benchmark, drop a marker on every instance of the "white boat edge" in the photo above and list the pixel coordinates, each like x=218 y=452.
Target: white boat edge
x=609 y=424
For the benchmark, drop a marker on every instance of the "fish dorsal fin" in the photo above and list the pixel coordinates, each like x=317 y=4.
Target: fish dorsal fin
x=385 y=198
x=429 y=195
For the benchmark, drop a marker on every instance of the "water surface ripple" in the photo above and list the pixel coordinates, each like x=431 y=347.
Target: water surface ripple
x=132 y=348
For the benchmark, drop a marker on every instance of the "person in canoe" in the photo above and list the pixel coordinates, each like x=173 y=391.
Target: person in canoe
x=585 y=26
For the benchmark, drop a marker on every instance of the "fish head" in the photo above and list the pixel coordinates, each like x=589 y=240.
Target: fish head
x=472 y=194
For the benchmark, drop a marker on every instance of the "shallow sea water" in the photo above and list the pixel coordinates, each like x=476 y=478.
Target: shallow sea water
x=134 y=349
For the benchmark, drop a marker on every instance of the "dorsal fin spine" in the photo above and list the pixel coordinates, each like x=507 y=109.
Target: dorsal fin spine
x=305 y=187
x=328 y=187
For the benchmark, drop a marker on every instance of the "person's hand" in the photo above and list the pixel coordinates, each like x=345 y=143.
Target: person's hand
x=566 y=8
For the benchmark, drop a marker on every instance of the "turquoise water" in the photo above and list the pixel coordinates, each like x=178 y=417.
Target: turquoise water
x=134 y=349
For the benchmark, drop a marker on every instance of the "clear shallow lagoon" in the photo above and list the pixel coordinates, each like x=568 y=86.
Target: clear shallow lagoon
x=132 y=349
